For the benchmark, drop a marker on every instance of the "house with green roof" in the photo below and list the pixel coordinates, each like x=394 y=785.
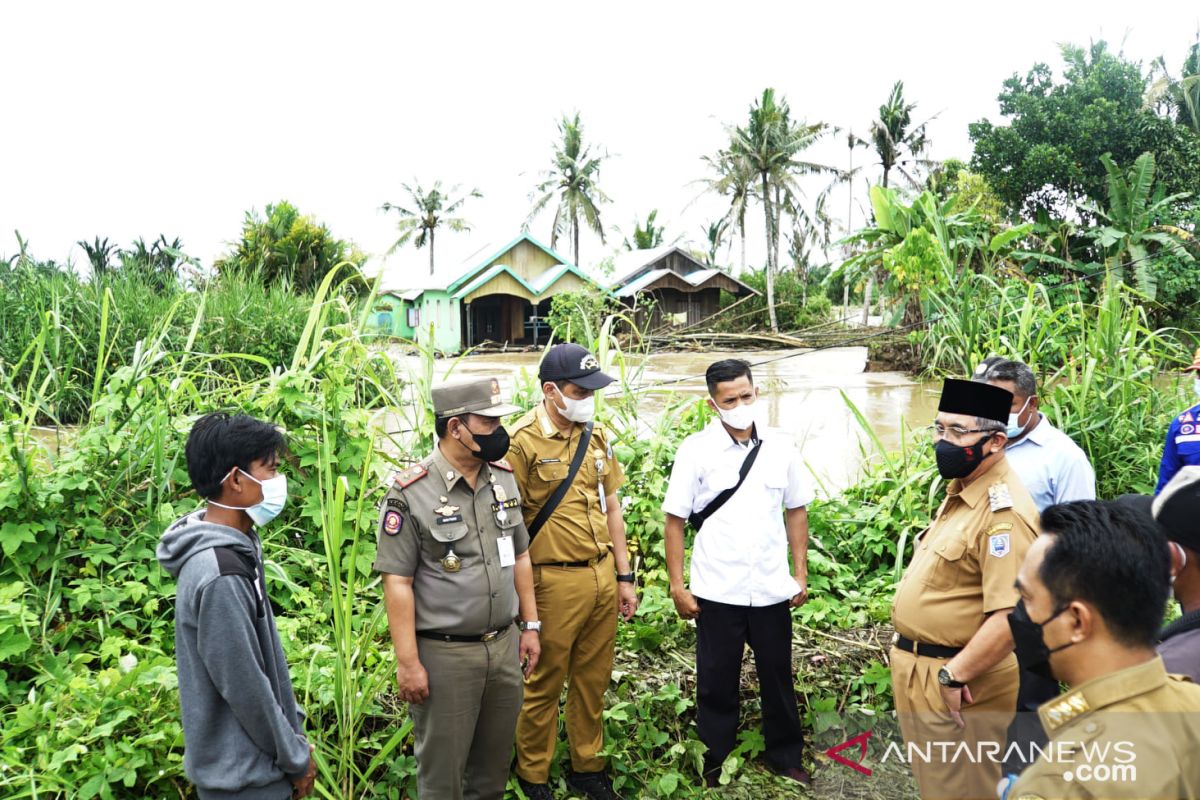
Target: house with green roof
x=497 y=295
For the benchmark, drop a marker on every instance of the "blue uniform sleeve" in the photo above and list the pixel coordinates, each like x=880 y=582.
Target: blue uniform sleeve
x=1170 y=458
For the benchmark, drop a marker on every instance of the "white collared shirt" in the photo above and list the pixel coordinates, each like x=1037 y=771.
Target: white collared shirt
x=1053 y=468
x=740 y=556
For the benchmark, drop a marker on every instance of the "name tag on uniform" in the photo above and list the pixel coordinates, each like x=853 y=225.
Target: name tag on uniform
x=507 y=556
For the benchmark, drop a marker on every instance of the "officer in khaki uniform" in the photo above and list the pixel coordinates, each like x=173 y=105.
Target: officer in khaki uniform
x=582 y=576
x=453 y=553
x=954 y=677
x=1093 y=591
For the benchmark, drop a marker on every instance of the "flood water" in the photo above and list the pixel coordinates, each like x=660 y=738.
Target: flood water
x=802 y=391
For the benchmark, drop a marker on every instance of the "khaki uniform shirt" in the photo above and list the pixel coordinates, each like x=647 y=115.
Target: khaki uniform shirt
x=540 y=456
x=429 y=508
x=965 y=564
x=1129 y=734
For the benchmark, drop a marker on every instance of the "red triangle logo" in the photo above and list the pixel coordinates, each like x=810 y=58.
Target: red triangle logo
x=860 y=740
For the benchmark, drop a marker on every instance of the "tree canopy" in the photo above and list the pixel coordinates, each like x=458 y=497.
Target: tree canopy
x=1048 y=156
x=284 y=246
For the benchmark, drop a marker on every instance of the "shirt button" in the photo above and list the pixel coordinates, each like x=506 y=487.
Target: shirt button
x=1089 y=728
x=495 y=594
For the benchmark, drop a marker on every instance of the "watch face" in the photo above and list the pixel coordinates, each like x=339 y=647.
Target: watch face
x=944 y=676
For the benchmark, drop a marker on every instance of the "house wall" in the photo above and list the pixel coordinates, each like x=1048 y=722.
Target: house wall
x=500 y=284
x=526 y=260
x=390 y=316
x=442 y=312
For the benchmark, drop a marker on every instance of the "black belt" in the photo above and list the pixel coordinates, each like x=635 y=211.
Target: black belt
x=922 y=649
x=576 y=564
x=454 y=637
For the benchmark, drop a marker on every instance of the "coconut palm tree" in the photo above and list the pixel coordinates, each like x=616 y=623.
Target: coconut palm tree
x=898 y=143
x=714 y=237
x=572 y=181
x=427 y=211
x=1181 y=96
x=648 y=236
x=771 y=142
x=733 y=177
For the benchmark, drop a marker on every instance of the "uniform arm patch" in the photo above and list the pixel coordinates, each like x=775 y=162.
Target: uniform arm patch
x=999 y=539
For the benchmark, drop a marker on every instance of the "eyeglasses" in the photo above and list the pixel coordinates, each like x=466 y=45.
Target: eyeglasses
x=939 y=431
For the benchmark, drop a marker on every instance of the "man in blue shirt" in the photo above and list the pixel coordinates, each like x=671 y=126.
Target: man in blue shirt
x=1053 y=468
x=1182 y=447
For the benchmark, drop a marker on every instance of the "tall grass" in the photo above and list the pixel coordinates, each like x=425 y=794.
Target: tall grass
x=1099 y=365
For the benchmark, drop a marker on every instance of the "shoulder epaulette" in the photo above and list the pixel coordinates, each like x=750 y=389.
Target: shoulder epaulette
x=410 y=476
x=502 y=464
x=999 y=497
x=525 y=421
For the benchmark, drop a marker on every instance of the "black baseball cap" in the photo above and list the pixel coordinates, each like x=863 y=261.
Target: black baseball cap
x=570 y=362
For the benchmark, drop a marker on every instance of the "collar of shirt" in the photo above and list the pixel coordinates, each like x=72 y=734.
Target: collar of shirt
x=1039 y=435
x=1098 y=693
x=449 y=475
x=977 y=489
x=548 y=429
x=717 y=437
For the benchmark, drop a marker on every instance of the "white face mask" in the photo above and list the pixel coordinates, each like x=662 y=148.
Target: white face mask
x=740 y=417
x=275 y=496
x=577 y=410
x=1196 y=386
x=1014 y=425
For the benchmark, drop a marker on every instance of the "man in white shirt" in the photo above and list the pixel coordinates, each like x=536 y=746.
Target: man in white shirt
x=742 y=589
x=1053 y=468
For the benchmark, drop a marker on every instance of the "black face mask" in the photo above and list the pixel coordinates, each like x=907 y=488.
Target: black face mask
x=492 y=446
x=1032 y=653
x=958 y=461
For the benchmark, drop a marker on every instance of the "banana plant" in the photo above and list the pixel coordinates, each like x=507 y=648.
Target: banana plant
x=1135 y=223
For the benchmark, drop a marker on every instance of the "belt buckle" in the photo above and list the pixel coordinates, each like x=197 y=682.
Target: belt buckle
x=487 y=637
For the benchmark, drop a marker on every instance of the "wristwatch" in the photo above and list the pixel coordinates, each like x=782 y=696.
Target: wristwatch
x=946 y=678
x=533 y=625
x=625 y=578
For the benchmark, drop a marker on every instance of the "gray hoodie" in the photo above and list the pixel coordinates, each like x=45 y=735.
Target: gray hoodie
x=243 y=732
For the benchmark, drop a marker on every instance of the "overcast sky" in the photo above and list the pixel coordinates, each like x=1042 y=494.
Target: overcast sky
x=135 y=119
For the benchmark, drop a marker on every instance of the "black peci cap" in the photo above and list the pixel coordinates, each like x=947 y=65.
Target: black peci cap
x=570 y=362
x=975 y=399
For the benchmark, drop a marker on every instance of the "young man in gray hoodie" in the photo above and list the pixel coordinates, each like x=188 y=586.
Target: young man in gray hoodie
x=243 y=730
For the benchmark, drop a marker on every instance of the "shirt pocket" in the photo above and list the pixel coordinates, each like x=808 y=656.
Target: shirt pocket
x=946 y=564
x=551 y=473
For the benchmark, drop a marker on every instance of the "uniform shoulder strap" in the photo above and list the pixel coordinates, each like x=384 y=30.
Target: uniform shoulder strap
x=410 y=476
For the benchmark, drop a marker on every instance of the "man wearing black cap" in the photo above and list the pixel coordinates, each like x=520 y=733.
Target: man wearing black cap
x=954 y=677
x=1177 y=509
x=568 y=477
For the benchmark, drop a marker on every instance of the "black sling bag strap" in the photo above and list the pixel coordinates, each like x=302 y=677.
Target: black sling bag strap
x=561 y=491
x=698 y=518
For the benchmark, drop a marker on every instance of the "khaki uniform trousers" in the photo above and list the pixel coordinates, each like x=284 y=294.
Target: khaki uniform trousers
x=464 y=729
x=578 y=609
x=950 y=774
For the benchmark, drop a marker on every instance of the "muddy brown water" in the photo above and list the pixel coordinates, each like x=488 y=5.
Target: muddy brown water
x=802 y=390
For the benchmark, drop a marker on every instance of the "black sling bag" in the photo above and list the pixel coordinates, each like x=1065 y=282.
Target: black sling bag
x=698 y=517
x=544 y=513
